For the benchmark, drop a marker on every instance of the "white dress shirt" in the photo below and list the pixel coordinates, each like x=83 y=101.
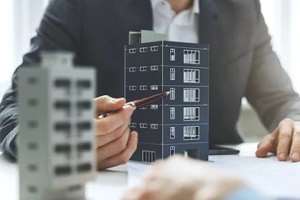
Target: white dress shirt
x=182 y=27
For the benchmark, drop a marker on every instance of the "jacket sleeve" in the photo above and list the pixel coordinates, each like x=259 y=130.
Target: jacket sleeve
x=58 y=30
x=269 y=89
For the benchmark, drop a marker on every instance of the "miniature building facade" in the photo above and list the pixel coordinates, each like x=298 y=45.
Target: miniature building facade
x=56 y=140
x=178 y=123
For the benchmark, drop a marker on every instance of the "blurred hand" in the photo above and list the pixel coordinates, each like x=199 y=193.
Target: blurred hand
x=183 y=178
x=284 y=141
x=114 y=140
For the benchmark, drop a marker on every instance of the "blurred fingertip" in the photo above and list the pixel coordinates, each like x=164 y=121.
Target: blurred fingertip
x=295 y=157
x=260 y=153
x=122 y=99
x=129 y=108
x=134 y=134
x=118 y=100
x=282 y=157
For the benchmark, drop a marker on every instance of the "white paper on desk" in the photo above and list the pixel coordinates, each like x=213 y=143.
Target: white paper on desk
x=108 y=185
x=278 y=180
x=135 y=172
x=267 y=175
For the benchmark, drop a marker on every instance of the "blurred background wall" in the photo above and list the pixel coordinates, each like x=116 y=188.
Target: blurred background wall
x=20 y=18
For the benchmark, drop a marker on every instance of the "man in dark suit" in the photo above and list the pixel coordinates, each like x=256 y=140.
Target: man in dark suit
x=242 y=64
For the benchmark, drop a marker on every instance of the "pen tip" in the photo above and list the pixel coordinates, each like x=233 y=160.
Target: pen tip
x=168 y=92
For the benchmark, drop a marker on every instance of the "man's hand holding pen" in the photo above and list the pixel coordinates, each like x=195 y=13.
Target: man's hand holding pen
x=114 y=141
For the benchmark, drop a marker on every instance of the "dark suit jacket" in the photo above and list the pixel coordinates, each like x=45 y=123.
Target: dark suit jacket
x=242 y=62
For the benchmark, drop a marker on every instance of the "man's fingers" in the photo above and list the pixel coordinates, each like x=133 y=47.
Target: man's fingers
x=113 y=148
x=295 y=148
x=106 y=103
x=284 y=139
x=105 y=139
x=114 y=121
x=267 y=145
x=123 y=156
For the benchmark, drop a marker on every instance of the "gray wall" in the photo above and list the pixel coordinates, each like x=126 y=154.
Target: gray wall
x=251 y=128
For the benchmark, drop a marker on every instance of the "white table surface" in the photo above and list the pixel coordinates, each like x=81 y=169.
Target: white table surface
x=269 y=176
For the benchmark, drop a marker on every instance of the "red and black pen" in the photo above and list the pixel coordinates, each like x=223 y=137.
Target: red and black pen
x=141 y=102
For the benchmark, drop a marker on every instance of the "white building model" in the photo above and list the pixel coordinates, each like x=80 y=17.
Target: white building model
x=56 y=140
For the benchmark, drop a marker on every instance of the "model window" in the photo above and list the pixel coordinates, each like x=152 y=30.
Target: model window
x=154 y=107
x=191 y=114
x=84 y=126
x=32 y=124
x=32 y=167
x=86 y=146
x=143 y=49
x=62 y=126
x=172 y=54
x=85 y=167
x=154 y=126
x=191 y=133
x=33 y=102
x=154 y=48
x=132 y=125
x=143 y=68
x=172 y=112
x=65 y=84
x=143 y=87
x=62 y=105
x=84 y=105
x=172 y=74
x=154 y=68
x=84 y=84
x=33 y=146
x=172 y=132
x=132 y=88
x=32 y=80
x=191 y=94
x=143 y=125
x=191 y=56
x=148 y=156
x=172 y=150
x=62 y=148
x=172 y=94
x=62 y=170
x=132 y=51
x=191 y=76
x=132 y=69
x=62 y=82
x=154 y=87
